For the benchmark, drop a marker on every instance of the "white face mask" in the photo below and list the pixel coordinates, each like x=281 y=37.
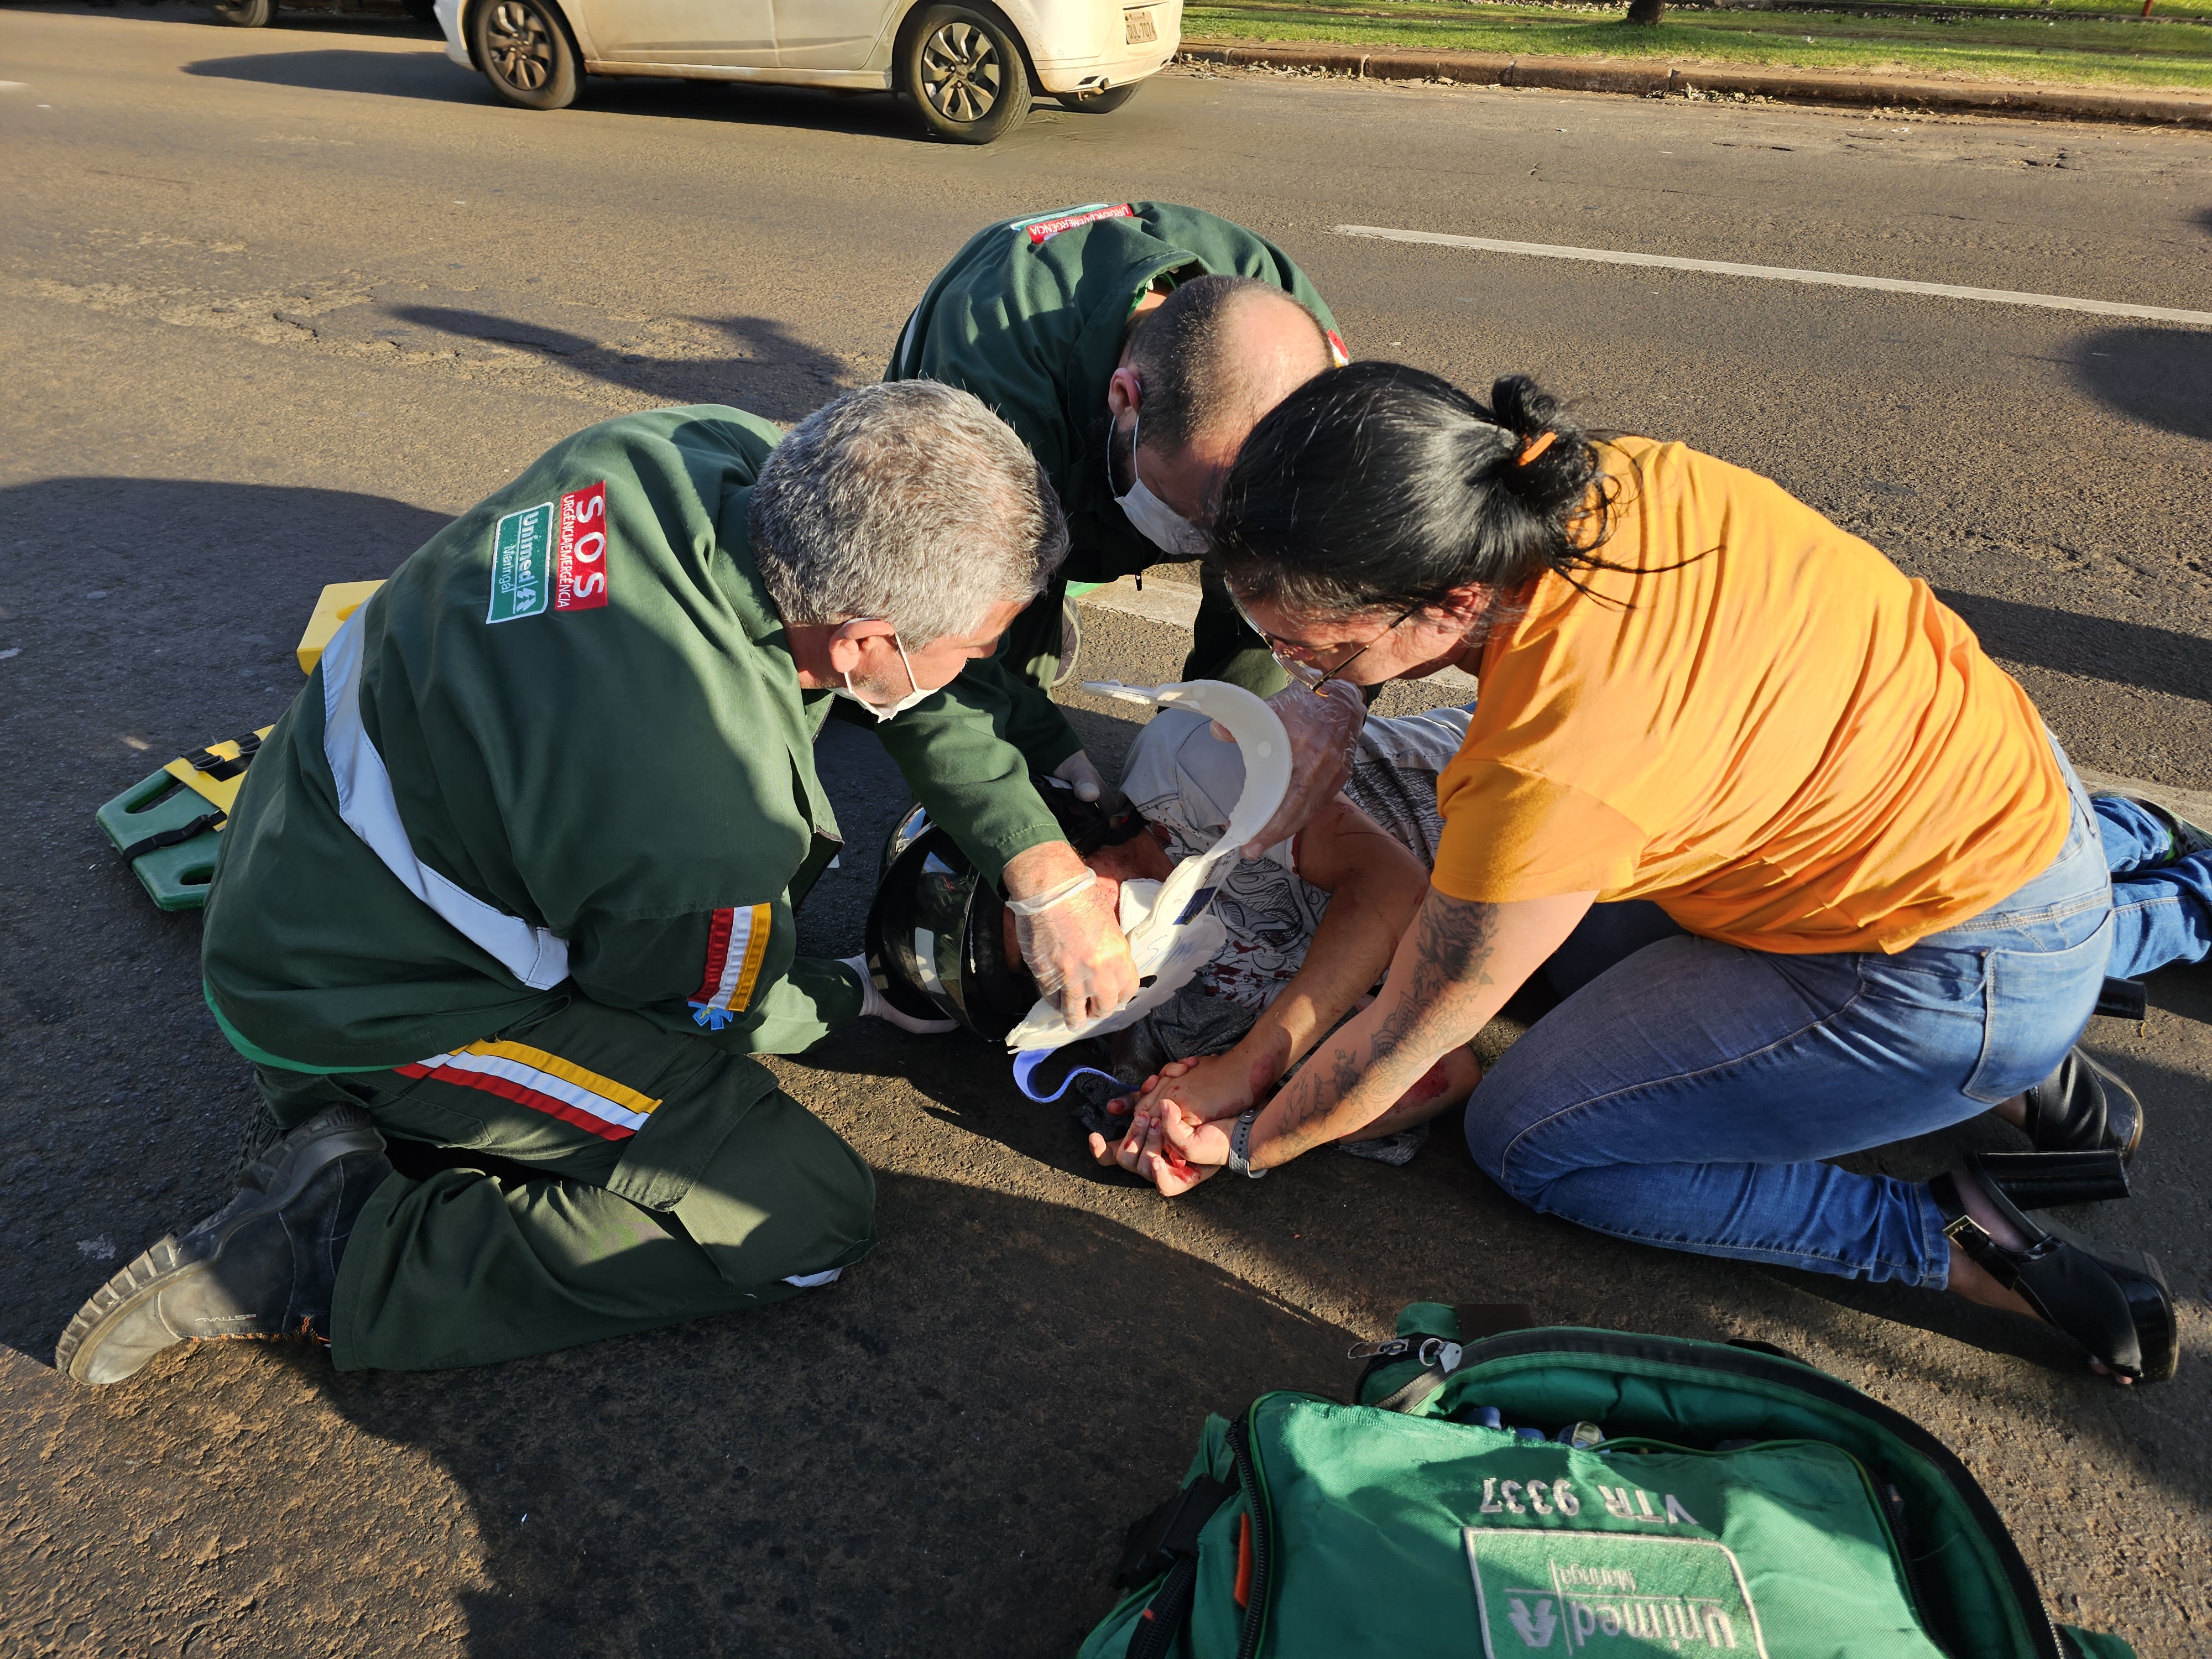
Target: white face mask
x=1155 y=521
x=904 y=703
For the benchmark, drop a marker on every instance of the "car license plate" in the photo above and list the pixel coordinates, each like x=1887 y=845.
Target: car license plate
x=1138 y=27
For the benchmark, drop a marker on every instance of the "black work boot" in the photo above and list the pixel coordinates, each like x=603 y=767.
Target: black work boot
x=264 y=1266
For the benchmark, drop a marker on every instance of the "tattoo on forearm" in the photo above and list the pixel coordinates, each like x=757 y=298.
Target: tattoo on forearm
x=1453 y=942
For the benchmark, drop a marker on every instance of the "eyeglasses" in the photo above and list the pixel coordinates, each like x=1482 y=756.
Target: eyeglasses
x=1309 y=674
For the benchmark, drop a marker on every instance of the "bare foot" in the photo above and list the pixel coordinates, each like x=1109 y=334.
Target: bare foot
x=2013 y=1111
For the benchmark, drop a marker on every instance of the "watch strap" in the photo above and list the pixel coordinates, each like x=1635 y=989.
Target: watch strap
x=1240 y=1145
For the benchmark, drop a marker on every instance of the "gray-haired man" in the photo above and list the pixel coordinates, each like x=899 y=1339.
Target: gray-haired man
x=515 y=875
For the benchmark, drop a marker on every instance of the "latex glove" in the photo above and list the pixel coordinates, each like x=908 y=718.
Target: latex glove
x=1072 y=945
x=1081 y=775
x=874 y=1006
x=1323 y=724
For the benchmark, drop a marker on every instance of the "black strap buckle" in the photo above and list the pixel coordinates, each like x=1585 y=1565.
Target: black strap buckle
x=220 y=769
x=1151 y=1544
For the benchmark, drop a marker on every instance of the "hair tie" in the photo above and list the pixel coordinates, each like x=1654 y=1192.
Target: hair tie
x=1536 y=446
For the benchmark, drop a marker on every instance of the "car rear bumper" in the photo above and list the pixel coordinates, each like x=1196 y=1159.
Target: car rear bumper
x=448 y=14
x=1094 y=75
x=1113 y=60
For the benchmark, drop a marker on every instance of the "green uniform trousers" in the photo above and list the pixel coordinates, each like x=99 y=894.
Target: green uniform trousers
x=1221 y=647
x=670 y=1178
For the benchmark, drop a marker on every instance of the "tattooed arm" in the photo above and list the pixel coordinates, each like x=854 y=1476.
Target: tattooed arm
x=1454 y=969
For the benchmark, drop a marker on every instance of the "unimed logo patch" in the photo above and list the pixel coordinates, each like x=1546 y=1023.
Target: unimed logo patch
x=521 y=564
x=1540 y=1591
x=581 y=567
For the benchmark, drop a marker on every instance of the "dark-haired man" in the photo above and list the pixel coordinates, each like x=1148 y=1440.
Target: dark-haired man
x=1133 y=346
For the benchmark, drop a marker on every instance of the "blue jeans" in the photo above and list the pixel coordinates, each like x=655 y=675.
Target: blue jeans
x=2161 y=904
x=1683 y=1096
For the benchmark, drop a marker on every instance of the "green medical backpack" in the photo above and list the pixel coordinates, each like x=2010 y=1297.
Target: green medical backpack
x=1639 y=1496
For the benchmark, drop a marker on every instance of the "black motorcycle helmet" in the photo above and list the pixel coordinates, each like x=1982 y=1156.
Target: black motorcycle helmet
x=936 y=933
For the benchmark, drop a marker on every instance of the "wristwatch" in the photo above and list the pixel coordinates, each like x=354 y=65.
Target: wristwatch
x=1240 y=1146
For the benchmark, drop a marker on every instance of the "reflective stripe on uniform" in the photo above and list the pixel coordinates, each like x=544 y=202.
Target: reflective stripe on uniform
x=535 y=955
x=531 y=1076
x=737 y=944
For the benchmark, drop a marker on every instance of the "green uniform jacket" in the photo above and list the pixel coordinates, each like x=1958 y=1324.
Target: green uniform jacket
x=1030 y=317
x=611 y=743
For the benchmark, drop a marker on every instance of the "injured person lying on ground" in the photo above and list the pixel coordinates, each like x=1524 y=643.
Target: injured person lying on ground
x=1312 y=924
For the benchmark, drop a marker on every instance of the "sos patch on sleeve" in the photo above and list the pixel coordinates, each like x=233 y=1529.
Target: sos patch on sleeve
x=580 y=565
x=1043 y=230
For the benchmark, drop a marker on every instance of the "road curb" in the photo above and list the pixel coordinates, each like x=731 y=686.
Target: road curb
x=1797 y=86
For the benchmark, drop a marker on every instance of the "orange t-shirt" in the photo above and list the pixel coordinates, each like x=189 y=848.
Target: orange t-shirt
x=1784 y=742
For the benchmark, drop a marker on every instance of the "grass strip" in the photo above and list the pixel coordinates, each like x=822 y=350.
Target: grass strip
x=2061 y=51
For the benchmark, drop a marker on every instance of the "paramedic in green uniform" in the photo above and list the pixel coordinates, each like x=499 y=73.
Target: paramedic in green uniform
x=514 y=876
x=1135 y=346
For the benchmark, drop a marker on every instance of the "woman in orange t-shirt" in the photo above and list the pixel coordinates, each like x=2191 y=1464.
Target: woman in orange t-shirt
x=1815 y=876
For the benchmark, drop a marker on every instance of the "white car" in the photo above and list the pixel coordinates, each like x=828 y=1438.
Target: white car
x=971 y=66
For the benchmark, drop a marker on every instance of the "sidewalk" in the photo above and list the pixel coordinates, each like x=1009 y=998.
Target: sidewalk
x=1658 y=80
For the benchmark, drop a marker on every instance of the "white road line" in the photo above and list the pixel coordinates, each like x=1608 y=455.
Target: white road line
x=1783 y=274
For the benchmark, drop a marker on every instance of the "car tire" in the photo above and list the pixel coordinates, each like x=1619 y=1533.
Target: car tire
x=245 y=14
x=965 y=71
x=1099 y=103
x=527 y=55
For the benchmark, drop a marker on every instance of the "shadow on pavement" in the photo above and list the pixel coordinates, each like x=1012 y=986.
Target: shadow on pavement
x=771 y=371
x=144 y=617
x=2155 y=375
x=428 y=76
x=937 y=1455
x=2124 y=653
x=438 y=79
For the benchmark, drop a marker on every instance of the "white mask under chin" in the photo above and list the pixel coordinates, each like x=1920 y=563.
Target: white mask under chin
x=879 y=710
x=1155 y=521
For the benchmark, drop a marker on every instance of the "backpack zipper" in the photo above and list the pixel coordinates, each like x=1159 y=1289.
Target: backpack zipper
x=1263 y=1531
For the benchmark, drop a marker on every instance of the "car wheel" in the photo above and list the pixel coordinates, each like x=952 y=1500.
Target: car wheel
x=525 y=51
x=965 y=73
x=1099 y=103
x=245 y=14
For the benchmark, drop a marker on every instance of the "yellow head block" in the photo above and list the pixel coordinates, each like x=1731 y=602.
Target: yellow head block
x=339 y=600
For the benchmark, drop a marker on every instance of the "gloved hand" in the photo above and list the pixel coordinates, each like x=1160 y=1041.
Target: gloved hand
x=1323 y=723
x=1072 y=945
x=1084 y=778
x=873 y=1004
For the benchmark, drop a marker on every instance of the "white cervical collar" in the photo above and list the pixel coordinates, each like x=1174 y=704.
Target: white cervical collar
x=1172 y=930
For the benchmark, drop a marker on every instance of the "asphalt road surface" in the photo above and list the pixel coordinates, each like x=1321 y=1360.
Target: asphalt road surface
x=277 y=303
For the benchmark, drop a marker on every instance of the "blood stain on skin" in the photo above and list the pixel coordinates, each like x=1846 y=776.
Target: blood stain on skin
x=1433 y=1082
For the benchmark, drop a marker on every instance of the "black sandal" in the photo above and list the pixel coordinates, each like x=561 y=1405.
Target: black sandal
x=2082 y=1107
x=2045 y=1181
x=2114 y=1302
